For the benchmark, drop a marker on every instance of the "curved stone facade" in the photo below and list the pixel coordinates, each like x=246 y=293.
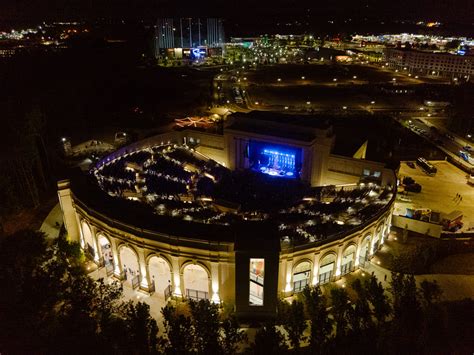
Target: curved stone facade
x=172 y=257
x=327 y=261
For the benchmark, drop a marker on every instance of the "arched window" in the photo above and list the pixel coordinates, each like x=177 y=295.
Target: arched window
x=196 y=282
x=301 y=276
x=348 y=260
x=160 y=276
x=326 y=268
x=130 y=266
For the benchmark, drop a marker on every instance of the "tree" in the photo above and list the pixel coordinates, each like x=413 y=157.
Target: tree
x=430 y=292
x=407 y=313
x=179 y=335
x=341 y=309
x=232 y=336
x=320 y=323
x=205 y=320
x=49 y=304
x=140 y=327
x=362 y=317
x=269 y=340
x=377 y=297
x=294 y=323
x=454 y=44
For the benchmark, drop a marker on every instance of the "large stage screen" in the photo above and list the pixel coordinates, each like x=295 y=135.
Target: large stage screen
x=274 y=159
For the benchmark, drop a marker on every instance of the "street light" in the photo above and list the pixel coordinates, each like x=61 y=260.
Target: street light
x=279 y=79
x=372 y=102
x=344 y=107
x=286 y=107
x=308 y=102
x=335 y=79
x=302 y=78
x=354 y=77
x=256 y=102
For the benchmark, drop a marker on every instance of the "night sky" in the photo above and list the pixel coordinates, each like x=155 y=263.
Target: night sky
x=12 y=11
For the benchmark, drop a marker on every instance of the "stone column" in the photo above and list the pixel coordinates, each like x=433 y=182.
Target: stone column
x=289 y=277
x=94 y=240
x=144 y=284
x=359 y=247
x=215 y=282
x=316 y=257
x=340 y=250
x=176 y=277
x=116 y=255
x=69 y=214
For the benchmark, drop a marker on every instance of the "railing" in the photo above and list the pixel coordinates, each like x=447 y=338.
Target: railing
x=256 y=278
x=196 y=295
x=89 y=251
x=298 y=286
x=135 y=281
x=325 y=278
x=346 y=268
x=109 y=269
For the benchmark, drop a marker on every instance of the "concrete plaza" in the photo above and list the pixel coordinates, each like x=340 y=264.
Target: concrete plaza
x=439 y=192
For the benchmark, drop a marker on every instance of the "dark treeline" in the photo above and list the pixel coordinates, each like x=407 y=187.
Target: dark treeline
x=49 y=305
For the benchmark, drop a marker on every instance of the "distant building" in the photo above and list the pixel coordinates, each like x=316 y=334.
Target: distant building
x=189 y=38
x=457 y=67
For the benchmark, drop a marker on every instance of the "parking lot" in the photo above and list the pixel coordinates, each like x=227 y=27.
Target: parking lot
x=439 y=192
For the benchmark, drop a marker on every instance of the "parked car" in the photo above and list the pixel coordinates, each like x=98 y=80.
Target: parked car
x=413 y=187
x=467 y=148
x=408 y=180
x=411 y=164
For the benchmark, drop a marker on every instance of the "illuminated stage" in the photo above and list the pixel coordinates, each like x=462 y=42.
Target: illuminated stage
x=274 y=159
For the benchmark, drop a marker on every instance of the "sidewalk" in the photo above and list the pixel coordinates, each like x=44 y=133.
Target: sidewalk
x=52 y=223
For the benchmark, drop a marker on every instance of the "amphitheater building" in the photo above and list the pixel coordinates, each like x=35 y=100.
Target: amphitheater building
x=143 y=213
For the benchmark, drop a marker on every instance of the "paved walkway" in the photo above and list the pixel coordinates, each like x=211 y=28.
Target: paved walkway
x=155 y=301
x=52 y=223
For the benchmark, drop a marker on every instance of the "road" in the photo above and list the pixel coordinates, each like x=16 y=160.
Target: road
x=445 y=140
x=230 y=92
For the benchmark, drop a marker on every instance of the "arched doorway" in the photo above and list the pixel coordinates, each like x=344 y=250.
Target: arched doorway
x=130 y=266
x=105 y=250
x=348 y=260
x=196 y=282
x=301 y=276
x=326 y=268
x=88 y=240
x=160 y=276
x=364 y=251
